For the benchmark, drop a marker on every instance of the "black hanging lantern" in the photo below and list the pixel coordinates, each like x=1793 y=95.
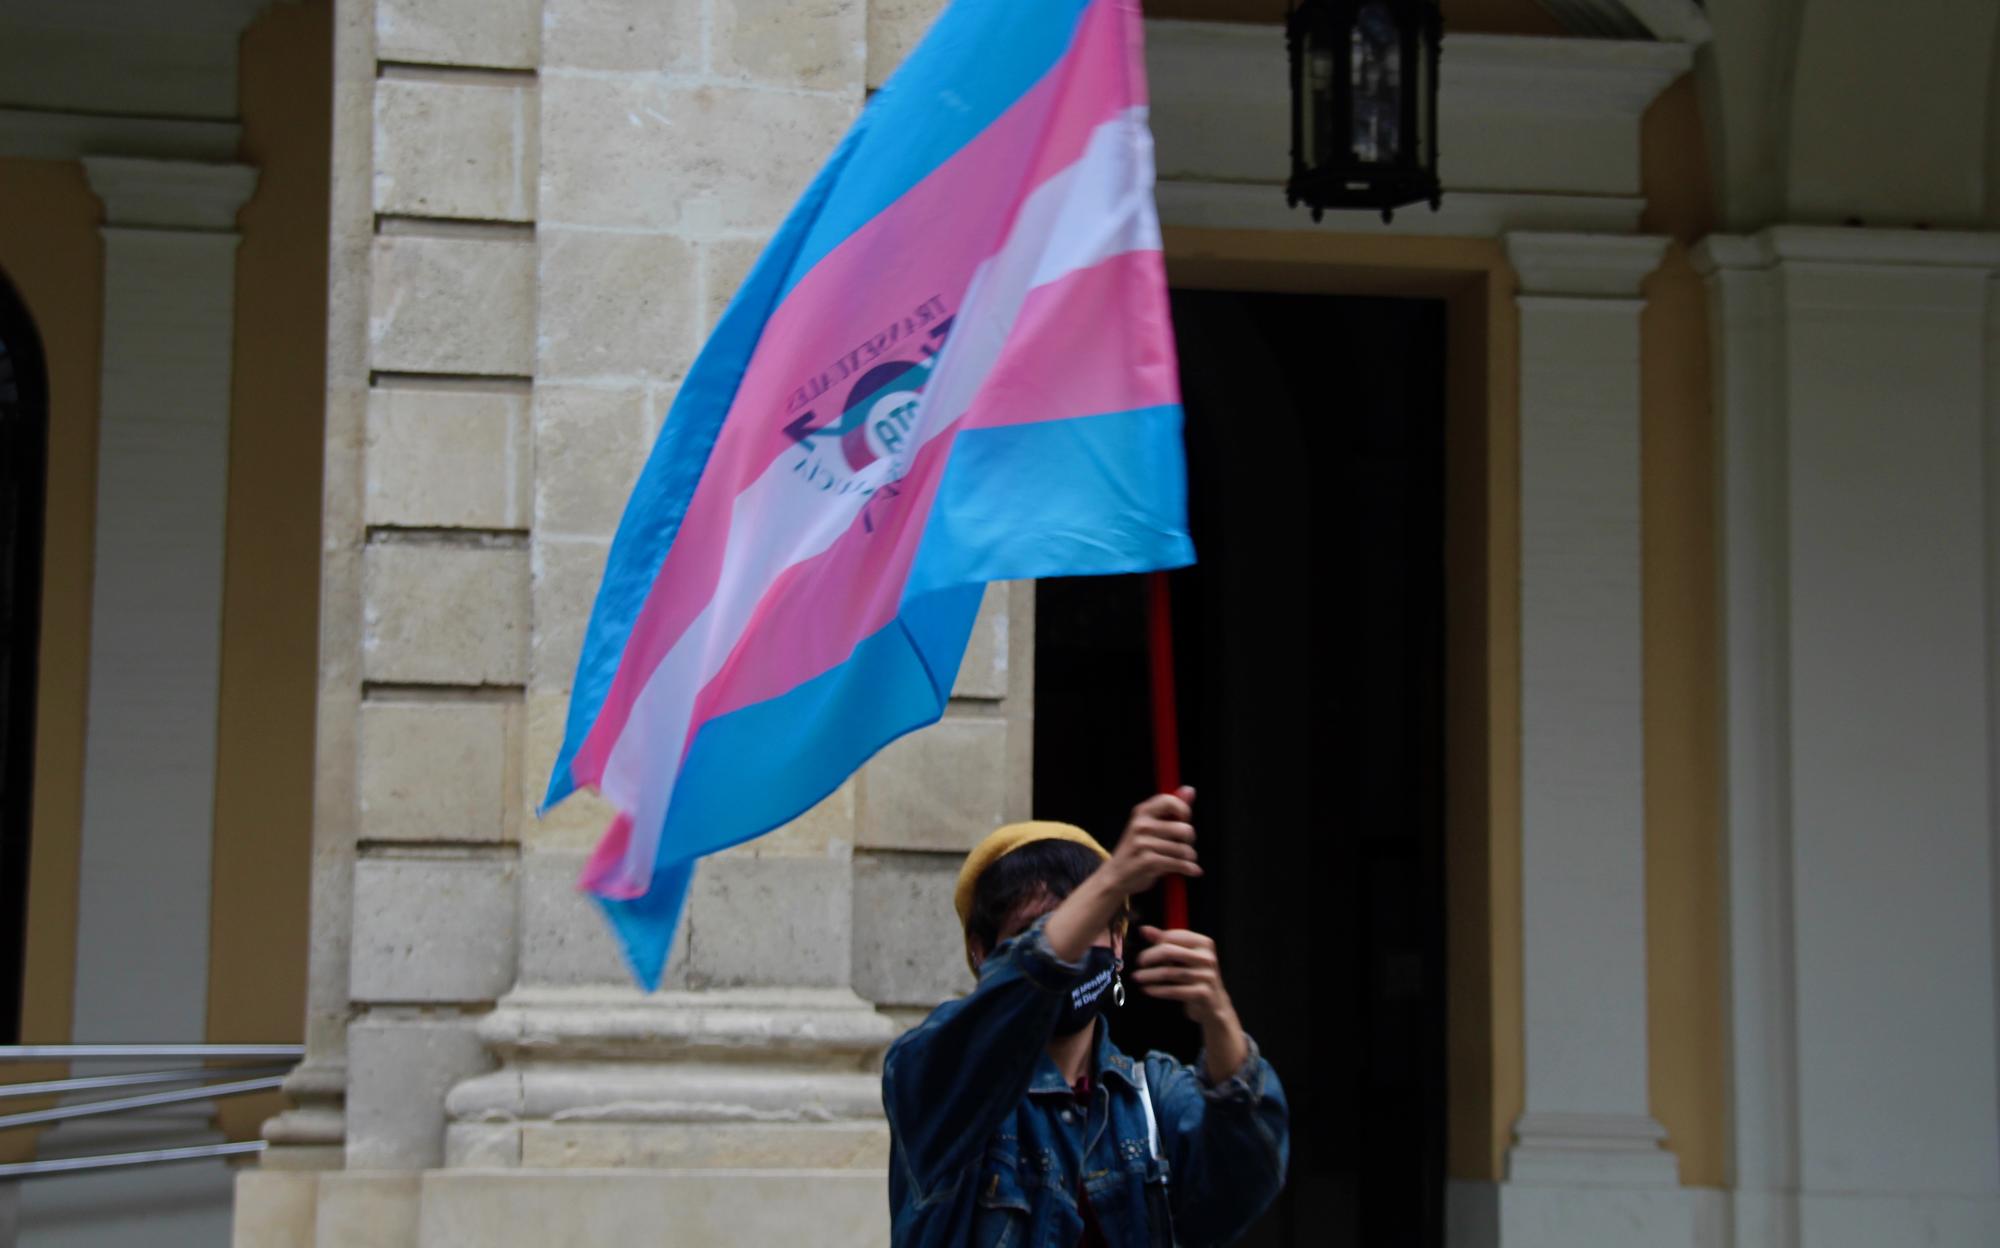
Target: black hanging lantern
x=1364 y=104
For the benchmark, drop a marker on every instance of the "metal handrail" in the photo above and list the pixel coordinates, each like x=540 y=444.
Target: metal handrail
x=90 y=1083
x=125 y=1104
x=264 y=1076
x=105 y=1161
x=88 y=1052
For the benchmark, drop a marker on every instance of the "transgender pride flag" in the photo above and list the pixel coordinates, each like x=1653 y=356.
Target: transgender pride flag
x=953 y=365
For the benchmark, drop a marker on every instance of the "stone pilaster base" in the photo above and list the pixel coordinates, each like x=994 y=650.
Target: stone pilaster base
x=576 y=1208
x=312 y=1134
x=745 y=1079
x=1517 y=1214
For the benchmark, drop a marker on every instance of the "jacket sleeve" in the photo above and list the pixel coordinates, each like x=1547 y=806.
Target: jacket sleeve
x=1227 y=1145
x=949 y=1083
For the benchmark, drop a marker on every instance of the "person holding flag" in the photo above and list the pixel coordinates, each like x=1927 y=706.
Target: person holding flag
x=1015 y=1120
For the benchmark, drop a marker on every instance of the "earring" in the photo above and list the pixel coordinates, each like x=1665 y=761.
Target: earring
x=1117 y=983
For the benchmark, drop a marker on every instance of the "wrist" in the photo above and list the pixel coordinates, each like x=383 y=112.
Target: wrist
x=1224 y=1044
x=1221 y=1024
x=1073 y=925
x=1106 y=884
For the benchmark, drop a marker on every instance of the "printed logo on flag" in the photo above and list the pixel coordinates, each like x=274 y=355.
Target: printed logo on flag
x=878 y=412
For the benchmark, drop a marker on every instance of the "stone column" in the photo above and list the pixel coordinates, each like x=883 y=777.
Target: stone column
x=674 y=139
x=311 y=1136
x=425 y=606
x=444 y=566
x=155 y=660
x=1587 y=1155
x=1855 y=395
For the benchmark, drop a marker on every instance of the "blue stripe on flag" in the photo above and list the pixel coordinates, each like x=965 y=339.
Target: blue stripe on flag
x=930 y=107
x=896 y=681
x=1087 y=496
x=644 y=926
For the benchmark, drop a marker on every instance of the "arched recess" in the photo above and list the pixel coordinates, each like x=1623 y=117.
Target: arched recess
x=1886 y=113
x=24 y=428
x=1830 y=112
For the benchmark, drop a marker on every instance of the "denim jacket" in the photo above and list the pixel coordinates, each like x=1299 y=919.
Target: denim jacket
x=989 y=1146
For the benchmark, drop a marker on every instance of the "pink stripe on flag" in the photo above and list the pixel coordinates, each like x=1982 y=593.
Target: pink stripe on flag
x=1071 y=352
x=821 y=608
x=600 y=873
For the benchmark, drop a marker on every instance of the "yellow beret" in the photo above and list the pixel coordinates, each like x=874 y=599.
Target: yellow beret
x=1003 y=841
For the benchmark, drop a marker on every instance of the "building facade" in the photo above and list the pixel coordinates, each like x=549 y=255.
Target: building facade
x=360 y=316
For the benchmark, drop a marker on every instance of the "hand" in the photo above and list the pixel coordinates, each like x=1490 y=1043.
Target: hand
x=1182 y=966
x=1158 y=841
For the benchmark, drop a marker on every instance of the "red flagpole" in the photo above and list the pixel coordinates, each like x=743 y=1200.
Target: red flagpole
x=1166 y=725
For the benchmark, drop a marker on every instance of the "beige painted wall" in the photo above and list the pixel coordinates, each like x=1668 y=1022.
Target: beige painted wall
x=1684 y=889
x=270 y=603
x=50 y=249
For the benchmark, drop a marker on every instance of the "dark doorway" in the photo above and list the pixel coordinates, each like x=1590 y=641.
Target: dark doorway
x=24 y=430
x=1309 y=647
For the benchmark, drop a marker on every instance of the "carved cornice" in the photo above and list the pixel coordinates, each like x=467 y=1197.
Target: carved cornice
x=1590 y=265
x=1813 y=244
x=1673 y=21
x=1583 y=77
x=39 y=135
x=169 y=194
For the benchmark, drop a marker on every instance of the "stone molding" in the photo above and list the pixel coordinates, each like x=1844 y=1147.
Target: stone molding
x=1588 y=265
x=612 y=1024
x=1807 y=244
x=1627 y=1148
x=39 y=135
x=654 y=1064
x=1673 y=21
x=169 y=194
x=1464 y=214
x=312 y=1134
x=1585 y=78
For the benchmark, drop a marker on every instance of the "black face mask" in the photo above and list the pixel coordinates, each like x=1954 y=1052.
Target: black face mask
x=1086 y=1001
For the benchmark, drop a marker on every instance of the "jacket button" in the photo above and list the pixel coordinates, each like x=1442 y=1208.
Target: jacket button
x=1068 y=1116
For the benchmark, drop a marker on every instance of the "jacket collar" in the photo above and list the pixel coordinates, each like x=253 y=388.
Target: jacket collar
x=1106 y=1061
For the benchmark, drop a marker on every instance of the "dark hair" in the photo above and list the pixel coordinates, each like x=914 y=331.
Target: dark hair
x=1039 y=870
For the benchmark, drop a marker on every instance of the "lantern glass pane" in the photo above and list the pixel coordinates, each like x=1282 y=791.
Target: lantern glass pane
x=1317 y=101
x=1377 y=64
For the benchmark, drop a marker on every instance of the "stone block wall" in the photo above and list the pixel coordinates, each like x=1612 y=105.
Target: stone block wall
x=444 y=100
